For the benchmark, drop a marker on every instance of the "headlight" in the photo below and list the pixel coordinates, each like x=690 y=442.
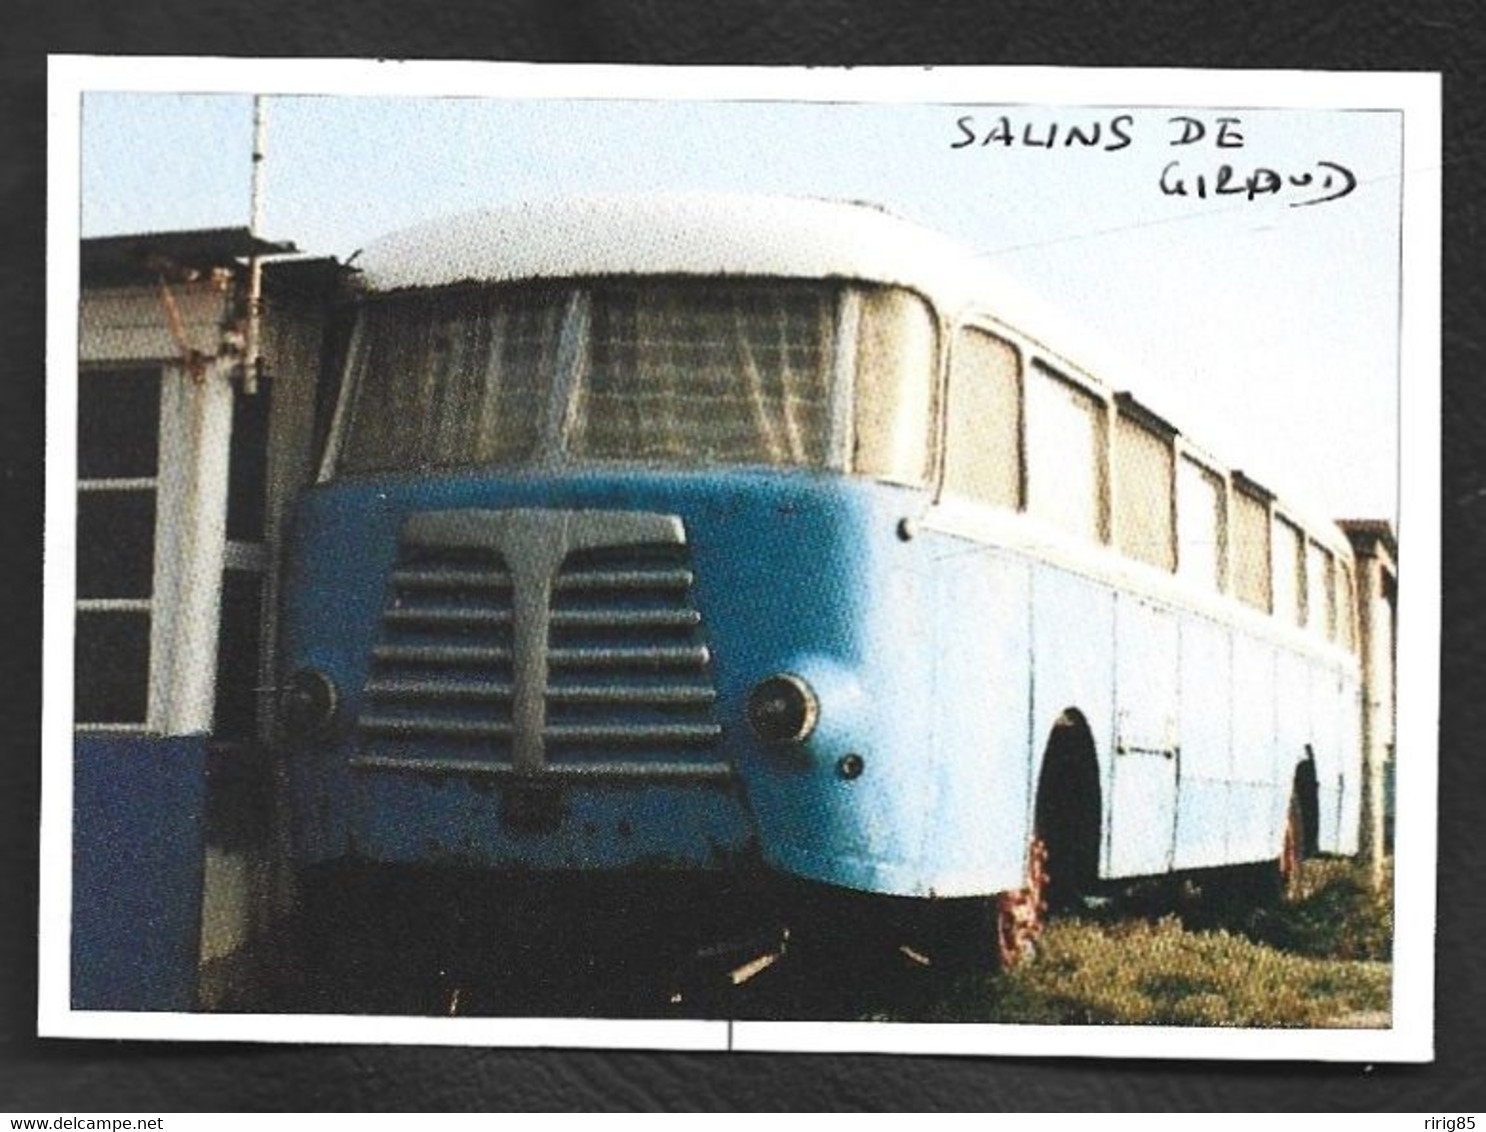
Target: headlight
x=783 y=709
x=308 y=704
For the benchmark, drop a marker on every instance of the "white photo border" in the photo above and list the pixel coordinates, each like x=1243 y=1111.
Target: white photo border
x=1416 y=95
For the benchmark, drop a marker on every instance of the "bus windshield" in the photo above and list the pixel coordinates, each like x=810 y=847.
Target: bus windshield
x=666 y=370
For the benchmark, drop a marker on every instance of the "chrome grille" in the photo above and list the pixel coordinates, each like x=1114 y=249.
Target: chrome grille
x=628 y=668
x=542 y=643
x=443 y=670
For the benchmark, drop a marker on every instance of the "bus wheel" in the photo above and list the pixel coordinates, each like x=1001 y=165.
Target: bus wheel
x=1274 y=882
x=1287 y=867
x=982 y=936
x=1020 y=913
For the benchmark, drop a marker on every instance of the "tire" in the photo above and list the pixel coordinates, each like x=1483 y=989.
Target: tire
x=1022 y=915
x=1288 y=865
x=986 y=936
x=998 y=933
x=1270 y=884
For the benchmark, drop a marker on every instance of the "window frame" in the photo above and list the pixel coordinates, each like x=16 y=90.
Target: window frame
x=1223 y=582
x=1323 y=588
x=145 y=606
x=1240 y=486
x=1102 y=414
x=553 y=446
x=1126 y=409
x=1346 y=604
x=1280 y=518
x=1024 y=359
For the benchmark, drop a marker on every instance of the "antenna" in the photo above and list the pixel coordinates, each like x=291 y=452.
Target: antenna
x=252 y=358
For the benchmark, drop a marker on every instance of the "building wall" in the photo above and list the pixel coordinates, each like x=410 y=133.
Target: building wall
x=183 y=481
x=151 y=432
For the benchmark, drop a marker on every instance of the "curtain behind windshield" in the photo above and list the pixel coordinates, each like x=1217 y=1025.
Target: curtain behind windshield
x=699 y=372
x=453 y=378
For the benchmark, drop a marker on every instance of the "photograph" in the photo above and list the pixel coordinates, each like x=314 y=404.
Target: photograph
x=741 y=558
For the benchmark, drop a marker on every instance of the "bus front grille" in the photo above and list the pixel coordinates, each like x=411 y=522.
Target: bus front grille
x=542 y=644
x=443 y=671
x=628 y=666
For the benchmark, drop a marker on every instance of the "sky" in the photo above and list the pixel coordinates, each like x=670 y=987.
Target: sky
x=1265 y=328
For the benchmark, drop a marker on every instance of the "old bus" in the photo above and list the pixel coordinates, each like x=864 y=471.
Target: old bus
x=694 y=536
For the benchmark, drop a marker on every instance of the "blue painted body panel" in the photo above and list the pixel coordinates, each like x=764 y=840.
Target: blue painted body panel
x=1205 y=758
x=1207 y=766
x=137 y=854
x=796 y=572
x=1349 y=744
x=1143 y=798
x=1072 y=667
x=942 y=662
x=982 y=793
x=1325 y=740
x=1256 y=752
x=1292 y=734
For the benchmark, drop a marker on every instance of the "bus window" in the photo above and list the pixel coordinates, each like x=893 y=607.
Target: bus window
x=662 y=370
x=1289 y=573
x=1320 y=596
x=1200 y=525
x=1143 y=467
x=1346 y=604
x=1251 y=581
x=982 y=458
x=452 y=378
x=685 y=371
x=1065 y=454
x=896 y=368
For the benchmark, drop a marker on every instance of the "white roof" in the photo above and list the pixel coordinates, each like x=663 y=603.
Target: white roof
x=673 y=234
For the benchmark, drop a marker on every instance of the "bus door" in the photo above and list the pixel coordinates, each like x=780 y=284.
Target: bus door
x=1147 y=749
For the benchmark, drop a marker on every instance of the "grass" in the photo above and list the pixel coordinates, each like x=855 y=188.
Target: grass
x=1161 y=974
x=1338 y=916
x=1212 y=959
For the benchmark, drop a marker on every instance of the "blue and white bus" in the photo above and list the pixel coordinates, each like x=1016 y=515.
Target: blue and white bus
x=704 y=535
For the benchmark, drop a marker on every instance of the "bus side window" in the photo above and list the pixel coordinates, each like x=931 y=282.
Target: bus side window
x=1065 y=454
x=897 y=364
x=982 y=458
x=1320 y=600
x=1251 y=580
x=1289 y=573
x=1346 y=606
x=1200 y=524
x=1143 y=471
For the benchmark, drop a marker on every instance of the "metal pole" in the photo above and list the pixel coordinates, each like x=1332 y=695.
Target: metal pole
x=252 y=359
x=1374 y=702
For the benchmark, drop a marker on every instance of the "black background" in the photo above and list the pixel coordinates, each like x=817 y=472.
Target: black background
x=68 y=1076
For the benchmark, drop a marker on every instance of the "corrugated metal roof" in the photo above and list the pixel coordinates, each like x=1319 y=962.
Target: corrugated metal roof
x=306 y=277
x=110 y=260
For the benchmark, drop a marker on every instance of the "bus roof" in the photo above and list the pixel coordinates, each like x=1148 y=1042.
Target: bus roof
x=673 y=234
